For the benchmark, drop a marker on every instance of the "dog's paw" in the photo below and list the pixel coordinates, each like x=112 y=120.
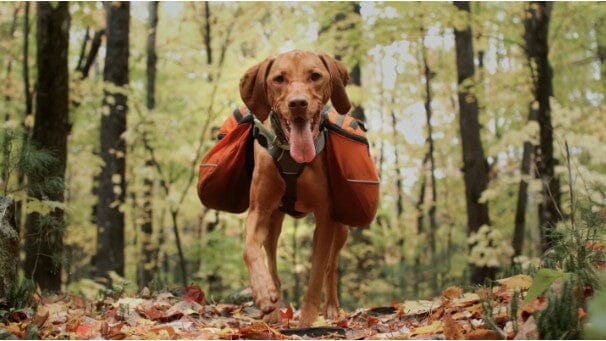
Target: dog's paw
x=331 y=312
x=273 y=317
x=267 y=298
x=309 y=314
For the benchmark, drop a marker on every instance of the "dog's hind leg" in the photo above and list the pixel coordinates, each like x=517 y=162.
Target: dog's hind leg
x=331 y=302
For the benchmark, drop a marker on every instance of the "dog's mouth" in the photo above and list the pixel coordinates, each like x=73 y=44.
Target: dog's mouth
x=300 y=134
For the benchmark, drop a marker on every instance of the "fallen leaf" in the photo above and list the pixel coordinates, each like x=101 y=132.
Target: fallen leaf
x=420 y=307
x=466 y=300
x=165 y=332
x=517 y=282
x=184 y=308
x=534 y=306
x=527 y=330
x=195 y=294
x=434 y=327
x=451 y=329
x=452 y=292
x=287 y=313
x=481 y=334
x=148 y=310
x=371 y=321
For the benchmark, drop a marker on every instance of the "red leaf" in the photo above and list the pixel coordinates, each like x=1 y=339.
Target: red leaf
x=84 y=331
x=371 y=321
x=287 y=313
x=194 y=293
x=343 y=324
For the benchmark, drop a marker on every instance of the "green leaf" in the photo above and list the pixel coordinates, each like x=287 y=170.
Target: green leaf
x=543 y=280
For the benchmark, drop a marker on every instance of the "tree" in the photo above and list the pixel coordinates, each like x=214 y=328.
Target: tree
x=475 y=168
x=536 y=33
x=145 y=272
x=112 y=185
x=44 y=233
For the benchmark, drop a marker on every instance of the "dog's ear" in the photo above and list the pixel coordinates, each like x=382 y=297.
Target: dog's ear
x=338 y=79
x=253 y=89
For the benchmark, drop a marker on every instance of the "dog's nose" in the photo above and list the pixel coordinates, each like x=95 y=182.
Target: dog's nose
x=298 y=103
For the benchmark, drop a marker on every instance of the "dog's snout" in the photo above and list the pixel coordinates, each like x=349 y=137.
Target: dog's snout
x=298 y=103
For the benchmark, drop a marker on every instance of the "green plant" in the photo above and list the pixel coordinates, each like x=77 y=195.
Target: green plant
x=560 y=319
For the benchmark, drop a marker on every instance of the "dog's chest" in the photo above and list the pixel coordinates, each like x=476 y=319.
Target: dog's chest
x=312 y=188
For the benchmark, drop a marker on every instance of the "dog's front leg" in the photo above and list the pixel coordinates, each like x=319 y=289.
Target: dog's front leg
x=323 y=239
x=257 y=234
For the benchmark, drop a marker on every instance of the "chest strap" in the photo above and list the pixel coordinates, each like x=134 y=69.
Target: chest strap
x=290 y=170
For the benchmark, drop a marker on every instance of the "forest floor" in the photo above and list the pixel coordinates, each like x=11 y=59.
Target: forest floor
x=453 y=315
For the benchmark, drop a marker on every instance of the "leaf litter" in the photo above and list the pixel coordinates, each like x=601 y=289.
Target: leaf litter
x=453 y=315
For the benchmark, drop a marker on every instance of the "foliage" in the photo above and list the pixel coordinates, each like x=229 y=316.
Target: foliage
x=595 y=328
x=560 y=320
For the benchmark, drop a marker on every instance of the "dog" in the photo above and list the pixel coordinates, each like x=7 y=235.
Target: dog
x=294 y=87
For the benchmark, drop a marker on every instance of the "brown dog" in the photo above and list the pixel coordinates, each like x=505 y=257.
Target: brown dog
x=294 y=86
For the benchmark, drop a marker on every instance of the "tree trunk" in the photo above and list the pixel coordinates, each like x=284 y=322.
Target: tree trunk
x=520 y=217
x=44 y=234
x=475 y=168
x=536 y=25
x=9 y=250
x=433 y=225
x=147 y=252
x=112 y=186
x=28 y=112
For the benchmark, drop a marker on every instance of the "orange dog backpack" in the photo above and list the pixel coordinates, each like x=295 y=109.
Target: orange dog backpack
x=226 y=170
x=352 y=174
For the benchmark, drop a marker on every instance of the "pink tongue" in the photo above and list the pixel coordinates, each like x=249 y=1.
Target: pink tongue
x=302 y=147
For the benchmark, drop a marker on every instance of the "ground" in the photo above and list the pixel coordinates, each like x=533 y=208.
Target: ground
x=453 y=315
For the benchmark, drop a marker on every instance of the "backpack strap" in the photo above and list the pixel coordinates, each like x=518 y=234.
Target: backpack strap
x=290 y=170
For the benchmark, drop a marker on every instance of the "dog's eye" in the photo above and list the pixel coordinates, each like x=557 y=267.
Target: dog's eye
x=279 y=79
x=315 y=76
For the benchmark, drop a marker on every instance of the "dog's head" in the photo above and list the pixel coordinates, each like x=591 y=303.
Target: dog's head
x=295 y=86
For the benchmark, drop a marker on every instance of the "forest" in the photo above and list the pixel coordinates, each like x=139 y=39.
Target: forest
x=486 y=121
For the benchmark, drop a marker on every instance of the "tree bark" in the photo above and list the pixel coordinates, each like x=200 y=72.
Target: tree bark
x=28 y=112
x=430 y=158
x=112 y=186
x=147 y=251
x=44 y=235
x=520 y=217
x=9 y=250
x=536 y=25
x=475 y=168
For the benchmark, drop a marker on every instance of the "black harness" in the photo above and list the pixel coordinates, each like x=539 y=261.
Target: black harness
x=276 y=145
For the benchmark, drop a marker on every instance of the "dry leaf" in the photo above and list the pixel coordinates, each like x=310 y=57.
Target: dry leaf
x=434 y=328
x=451 y=329
x=452 y=293
x=522 y=282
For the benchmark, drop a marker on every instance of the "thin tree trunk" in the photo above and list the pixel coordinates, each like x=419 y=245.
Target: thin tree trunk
x=207 y=34
x=475 y=168
x=92 y=54
x=28 y=112
x=433 y=225
x=7 y=136
x=146 y=274
x=536 y=25
x=112 y=185
x=520 y=217
x=44 y=235
x=420 y=208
